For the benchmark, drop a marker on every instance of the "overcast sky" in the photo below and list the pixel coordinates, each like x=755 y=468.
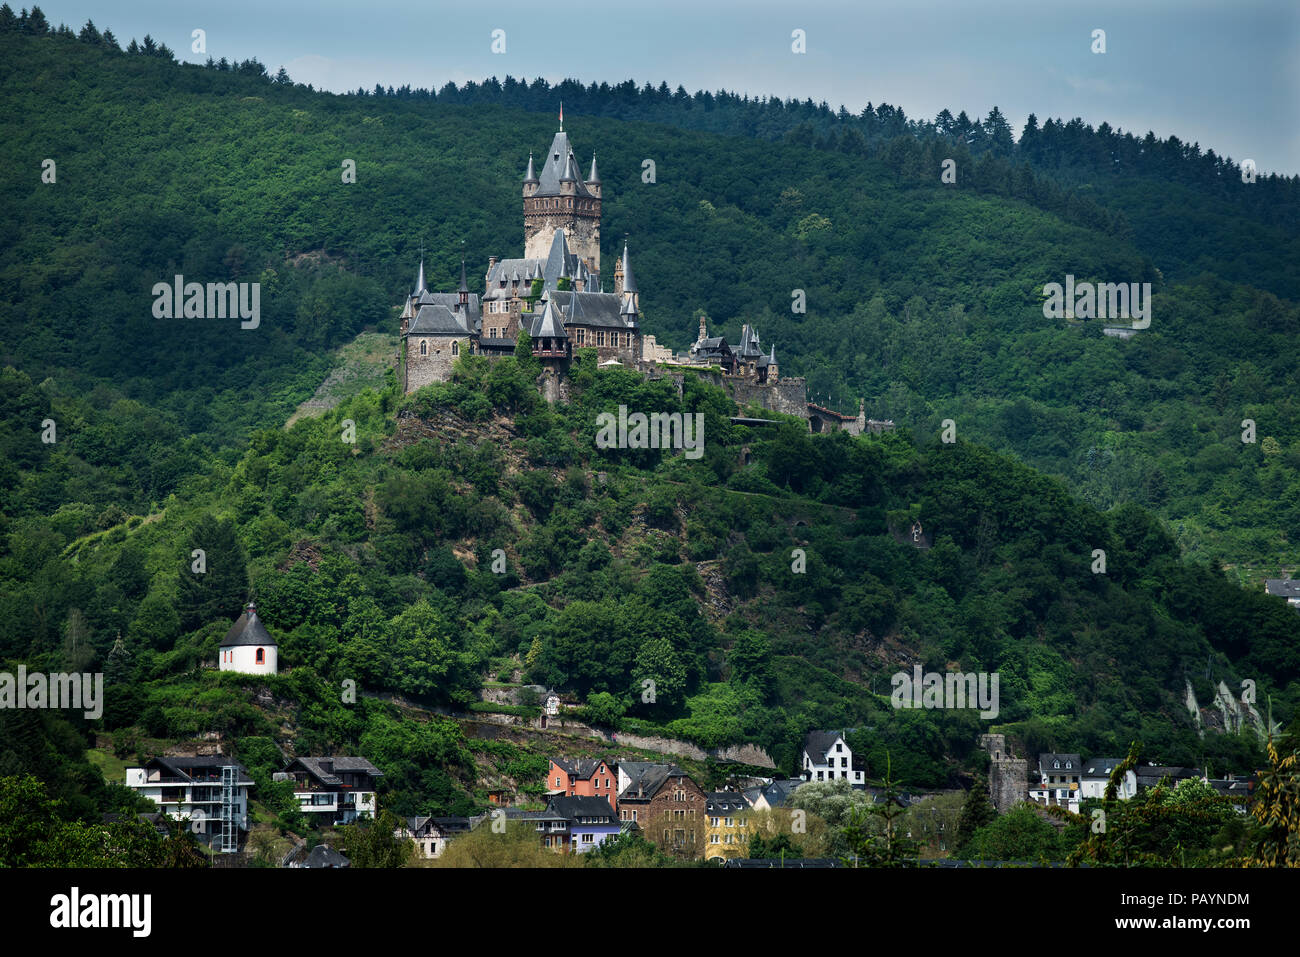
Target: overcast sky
x=1224 y=74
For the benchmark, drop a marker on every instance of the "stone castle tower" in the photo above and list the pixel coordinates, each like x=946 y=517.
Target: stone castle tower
x=1008 y=776
x=559 y=199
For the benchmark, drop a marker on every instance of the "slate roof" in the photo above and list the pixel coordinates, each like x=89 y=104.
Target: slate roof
x=247 y=630
x=583 y=768
x=1100 y=767
x=574 y=809
x=558 y=166
x=818 y=743
x=590 y=309
x=559 y=261
x=422 y=826
x=181 y=766
x=440 y=321
x=647 y=785
x=1148 y=776
x=508 y=269
x=724 y=802
x=529 y=175
x=629 y=280
x=548 y=325
x=326 y=770
x=634 y=769
x=748 y=347
x=593 y=177
x=1283 y=587
x=1048 y=758
x=322 y=855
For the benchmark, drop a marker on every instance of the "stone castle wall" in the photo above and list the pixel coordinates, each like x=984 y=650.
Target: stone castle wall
x=421 y=370
x=788 y=396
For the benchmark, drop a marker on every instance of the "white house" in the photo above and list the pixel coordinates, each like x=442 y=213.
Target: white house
x=1288 y=588
x=194 y=789
x=1096 y=774
x=248 y=648
x=826 y=758
x=334 y=790
x=1060 y=776
x=432 y=834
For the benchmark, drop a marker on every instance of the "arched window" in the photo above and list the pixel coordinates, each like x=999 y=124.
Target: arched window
x=424 y=348
x=261 y=656
x=455 y=348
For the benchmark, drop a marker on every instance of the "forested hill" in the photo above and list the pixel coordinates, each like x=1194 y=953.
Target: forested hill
x=764 y=589
x=923 y=297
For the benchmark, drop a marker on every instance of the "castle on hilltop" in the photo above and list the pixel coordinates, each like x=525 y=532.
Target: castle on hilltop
x=555 y=294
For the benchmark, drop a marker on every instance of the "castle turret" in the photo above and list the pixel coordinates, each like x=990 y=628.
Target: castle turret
x=628 y=290
x=463 y=288
x=773 y=372
x=704 y=333
x=557 y=198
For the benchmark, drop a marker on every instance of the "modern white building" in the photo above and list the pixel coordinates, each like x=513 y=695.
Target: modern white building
x=826 y=757
x=210 y=792
x=248 y=647
x=334 y=790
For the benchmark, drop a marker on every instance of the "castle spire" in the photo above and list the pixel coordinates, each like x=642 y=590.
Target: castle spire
x=531 y=175
x=419 y=279
x=561 y=116
x=594 y=177
x=629 y=283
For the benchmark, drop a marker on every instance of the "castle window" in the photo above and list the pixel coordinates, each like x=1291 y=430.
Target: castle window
x=261 y=656
x=600 y=337
x=424 y=348
x=455 y=348
x=582 y=336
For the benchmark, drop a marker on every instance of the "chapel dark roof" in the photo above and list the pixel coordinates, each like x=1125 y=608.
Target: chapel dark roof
x=247 y=630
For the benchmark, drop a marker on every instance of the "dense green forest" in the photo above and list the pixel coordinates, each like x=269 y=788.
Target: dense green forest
x=370 y=561
x=923 y=298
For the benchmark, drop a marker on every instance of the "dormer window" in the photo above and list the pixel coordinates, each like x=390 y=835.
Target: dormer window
x=1056 y=764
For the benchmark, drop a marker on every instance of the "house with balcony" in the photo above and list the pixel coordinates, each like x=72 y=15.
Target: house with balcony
x=333 y=790
x=1060 y=777
x=208 y=791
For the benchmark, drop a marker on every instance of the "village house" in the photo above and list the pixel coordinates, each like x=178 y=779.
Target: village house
x=585 y=777
x=727 y=834
x=1096 y=775
x=664 y=802
x=334 y=790
x=826 y=757
x=209 y=791
x=1059 y=778
x=432 y=834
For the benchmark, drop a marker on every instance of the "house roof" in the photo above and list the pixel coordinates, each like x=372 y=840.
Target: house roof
x=247 y=630
x=327 y=769
x=182 y=766
x=1283 y=587
x=1100 y=767
x=583 y=768
x=576 y=808
x=818 y=743
x=648 y=784
x=322 y=855
x=726 y=801
x=1047 y=759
